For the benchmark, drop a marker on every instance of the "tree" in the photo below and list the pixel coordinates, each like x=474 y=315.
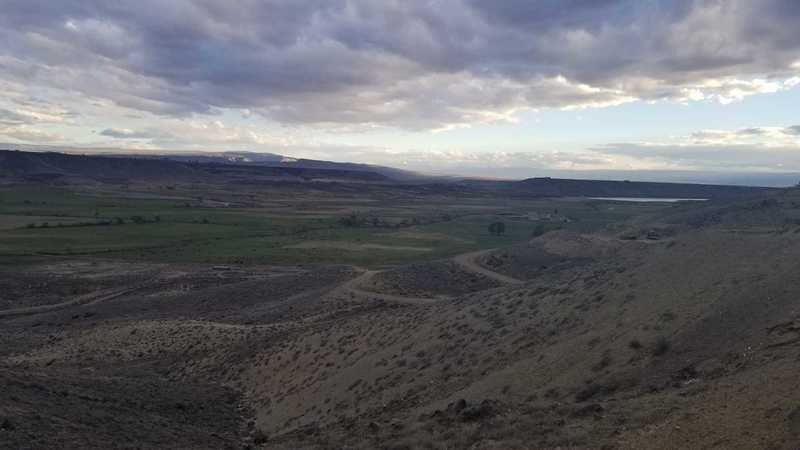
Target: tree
x=353 y=220
x=497 y=228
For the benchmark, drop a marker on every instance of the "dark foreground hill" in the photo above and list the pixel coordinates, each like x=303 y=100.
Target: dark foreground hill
x=46 y=166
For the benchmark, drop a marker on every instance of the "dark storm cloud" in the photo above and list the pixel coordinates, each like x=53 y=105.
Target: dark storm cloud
x=547 y=14
x=413 y=64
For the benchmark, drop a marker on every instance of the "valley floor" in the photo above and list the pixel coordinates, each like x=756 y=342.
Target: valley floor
x=684 y=337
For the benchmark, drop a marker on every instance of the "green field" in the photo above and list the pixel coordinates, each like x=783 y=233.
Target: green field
x=210 y=224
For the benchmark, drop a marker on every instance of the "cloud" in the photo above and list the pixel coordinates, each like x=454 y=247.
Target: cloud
x=13 y=118
x=31 y=118
x=746 y=149
x=195 y=134
x=416 y=65
x=740 y=157
x=26 y=133
x=124 y=133
x=33 y=113
x=769 y=136
x=454 y=161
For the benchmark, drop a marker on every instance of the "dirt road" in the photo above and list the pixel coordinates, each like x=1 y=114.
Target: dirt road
x=468 y=261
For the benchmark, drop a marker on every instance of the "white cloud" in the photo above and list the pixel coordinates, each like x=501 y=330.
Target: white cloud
x=26 y=133
x=414 y=65
x=746 y=149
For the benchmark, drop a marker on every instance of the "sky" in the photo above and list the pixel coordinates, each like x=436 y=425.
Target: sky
x=489 y=88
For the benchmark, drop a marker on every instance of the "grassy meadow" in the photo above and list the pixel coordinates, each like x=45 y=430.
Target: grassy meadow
x=212 y=224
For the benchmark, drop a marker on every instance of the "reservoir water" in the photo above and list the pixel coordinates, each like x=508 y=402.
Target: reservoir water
x=648 y=199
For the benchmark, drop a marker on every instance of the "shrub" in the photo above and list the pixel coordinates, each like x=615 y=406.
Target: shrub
x=497 y=228
x=661 y=346
x=477 y=412
x=588 y=392
x=7 y=425
x=596 y=389
x=604 y=362
x=260 y=437
x=353 y=220
x=544 y=228
x=538 y=230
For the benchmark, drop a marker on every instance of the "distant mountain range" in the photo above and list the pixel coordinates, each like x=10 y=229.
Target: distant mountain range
x=275 y=160
x=244 y=167
x=46 y=166
x=552 y=187
x=227 y=158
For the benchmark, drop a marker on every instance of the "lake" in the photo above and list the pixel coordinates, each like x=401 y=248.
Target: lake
x=648 y=199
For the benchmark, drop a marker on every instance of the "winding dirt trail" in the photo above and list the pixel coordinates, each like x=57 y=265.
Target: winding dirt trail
x=353 y=287
x=468 y=261
x=89 y=299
